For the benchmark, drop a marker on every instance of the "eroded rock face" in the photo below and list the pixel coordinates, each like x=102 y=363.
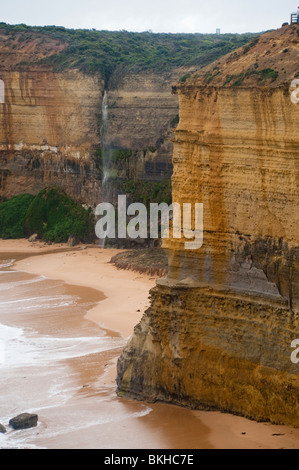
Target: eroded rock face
x=219 y=330
x=209 y=349
x=246 y=176
x=48 y=133
x=51 y=123
x=142 y=113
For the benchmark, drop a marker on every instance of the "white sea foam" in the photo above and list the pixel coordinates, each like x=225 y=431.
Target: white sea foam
x=35 y=372
x=74 y=420
x=15 y=284
x=6 y=263
x=37 y=303
x=25 y=347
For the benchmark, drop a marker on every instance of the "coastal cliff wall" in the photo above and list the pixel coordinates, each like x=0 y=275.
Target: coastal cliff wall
x=219 y=329
x=51 y=122
x=142 y=114
x=84 y=105
x=48 y=133
x=50 y=130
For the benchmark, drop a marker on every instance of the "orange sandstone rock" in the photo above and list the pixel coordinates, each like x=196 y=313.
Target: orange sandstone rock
x=219 y=330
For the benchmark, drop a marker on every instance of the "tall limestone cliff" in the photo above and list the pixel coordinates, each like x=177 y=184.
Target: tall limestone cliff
x=51 y=121
x=58 y=82
x=219 y=330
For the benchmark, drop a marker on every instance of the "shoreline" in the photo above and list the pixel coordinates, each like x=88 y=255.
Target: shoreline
x=124 y=297
x=119 y=313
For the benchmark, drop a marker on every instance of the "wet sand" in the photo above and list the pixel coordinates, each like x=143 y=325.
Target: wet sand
x=92 y=416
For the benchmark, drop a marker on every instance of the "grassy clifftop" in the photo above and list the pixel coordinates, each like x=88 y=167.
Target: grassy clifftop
x=106 y=51
x=269 y=60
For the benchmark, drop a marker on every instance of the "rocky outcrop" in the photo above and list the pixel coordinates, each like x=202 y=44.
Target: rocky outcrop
x=219 y=330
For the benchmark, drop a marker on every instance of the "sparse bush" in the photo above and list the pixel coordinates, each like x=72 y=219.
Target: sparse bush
x=239 y=80
x=228 y=79
x=268 y=74
x=250 y=44
x=185 y=77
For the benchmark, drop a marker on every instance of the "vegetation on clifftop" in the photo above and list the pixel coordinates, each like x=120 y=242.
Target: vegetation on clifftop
x=106 y=51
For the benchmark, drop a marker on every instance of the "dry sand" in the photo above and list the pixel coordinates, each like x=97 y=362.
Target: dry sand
x=125 y=297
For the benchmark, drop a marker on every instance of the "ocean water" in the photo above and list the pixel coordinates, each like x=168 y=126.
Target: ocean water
x=53 y=362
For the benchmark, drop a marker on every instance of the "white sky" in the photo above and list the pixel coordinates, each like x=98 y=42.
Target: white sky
x=175 y=16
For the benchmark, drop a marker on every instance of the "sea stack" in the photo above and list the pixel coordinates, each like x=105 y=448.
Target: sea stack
x=219 y=330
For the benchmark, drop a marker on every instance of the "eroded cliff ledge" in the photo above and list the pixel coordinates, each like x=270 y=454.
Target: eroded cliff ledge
x=219 y=329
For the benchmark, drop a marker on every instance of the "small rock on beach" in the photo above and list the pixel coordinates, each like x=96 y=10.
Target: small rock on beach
x=24 y=421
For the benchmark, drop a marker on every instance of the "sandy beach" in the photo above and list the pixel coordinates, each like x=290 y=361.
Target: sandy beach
x=119 y=299
x=126 y=292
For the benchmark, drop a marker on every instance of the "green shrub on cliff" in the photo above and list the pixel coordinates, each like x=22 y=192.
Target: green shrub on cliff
x=12 y=216
x=55 y=217
x=268 y=74
x=264 y=74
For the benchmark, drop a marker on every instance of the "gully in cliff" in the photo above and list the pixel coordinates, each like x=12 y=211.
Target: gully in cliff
x=138 y=225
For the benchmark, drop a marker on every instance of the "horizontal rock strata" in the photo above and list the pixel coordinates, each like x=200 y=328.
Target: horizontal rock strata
x=214 y=349
x=48 y=133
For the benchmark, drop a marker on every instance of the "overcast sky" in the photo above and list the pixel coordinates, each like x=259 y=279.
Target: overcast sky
x=188 y=16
